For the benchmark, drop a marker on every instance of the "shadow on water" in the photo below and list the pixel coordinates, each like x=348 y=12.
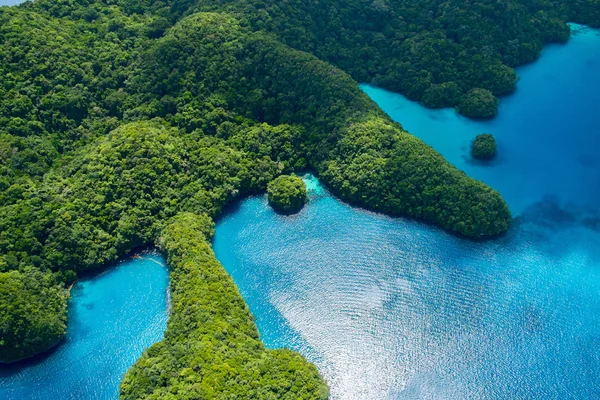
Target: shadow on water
x=7 y=370
x=588 y=161
x=494 y=162
x=550 y=213
x=233 y=207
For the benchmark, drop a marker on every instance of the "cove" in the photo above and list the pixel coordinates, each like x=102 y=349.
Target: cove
x=547 y=132
x=113 y=317
x=393 y=309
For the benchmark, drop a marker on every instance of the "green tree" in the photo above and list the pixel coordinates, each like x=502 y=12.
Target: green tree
x=32 y=313
x=287 y=194
x=211 y=348
x=483 y=147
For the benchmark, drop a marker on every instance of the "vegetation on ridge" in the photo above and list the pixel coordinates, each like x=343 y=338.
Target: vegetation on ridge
x=423 y=49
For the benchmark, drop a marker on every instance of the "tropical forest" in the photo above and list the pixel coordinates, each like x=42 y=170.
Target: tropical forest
x=134 y=124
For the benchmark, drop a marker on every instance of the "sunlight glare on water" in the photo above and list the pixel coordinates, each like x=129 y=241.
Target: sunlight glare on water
x=393 y=309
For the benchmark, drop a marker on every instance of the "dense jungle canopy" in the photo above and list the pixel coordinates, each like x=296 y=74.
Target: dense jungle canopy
x=119 y=119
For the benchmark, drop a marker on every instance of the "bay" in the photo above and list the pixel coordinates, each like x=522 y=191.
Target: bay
x=113 y=318
x=394 y=309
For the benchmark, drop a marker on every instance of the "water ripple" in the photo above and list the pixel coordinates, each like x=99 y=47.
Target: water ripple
x=392 y=309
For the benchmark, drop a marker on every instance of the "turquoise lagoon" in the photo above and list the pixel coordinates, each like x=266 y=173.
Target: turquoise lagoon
x=393 y=309
x=113 y=317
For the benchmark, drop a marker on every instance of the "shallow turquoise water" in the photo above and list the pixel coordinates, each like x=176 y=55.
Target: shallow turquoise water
x=393 y=309
x=113 y=317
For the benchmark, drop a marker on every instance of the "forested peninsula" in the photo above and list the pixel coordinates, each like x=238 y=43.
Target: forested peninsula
x=125 y=124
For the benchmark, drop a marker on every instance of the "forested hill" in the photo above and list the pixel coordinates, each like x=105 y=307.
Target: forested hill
x=435 y=51
x=120 y=120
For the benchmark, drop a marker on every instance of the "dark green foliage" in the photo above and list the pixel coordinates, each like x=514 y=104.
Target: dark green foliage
x=61 y=82
x=211 y=348
x=409 y=46
x=381 y=167
x=287 y=194
x=483 y=147
x=585 y=12
x=348 y=132
x=441 y=95
x=32 y=313
x=478 y=103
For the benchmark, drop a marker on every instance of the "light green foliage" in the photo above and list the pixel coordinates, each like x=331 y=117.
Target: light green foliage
x=116 y=194
x=287 y=194
x=211 y=348
x=62 y=82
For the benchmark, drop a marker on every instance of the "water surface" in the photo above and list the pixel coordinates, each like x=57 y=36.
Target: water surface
x=393 y=309
x=113 y=317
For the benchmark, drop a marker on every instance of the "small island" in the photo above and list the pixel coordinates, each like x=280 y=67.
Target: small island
x=483 y=147
x=287 y=194
x=479 y=104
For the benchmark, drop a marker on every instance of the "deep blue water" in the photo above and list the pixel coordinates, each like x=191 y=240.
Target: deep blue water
x=113 y=317
x=393 y=309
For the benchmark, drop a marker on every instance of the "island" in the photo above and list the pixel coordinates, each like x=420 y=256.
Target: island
x=483 y=147
x=136 y=123
x=287 y=194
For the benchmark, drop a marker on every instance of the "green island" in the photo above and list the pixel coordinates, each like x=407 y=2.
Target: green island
x=287 y=194
x=130 y=123
x=483 y=147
